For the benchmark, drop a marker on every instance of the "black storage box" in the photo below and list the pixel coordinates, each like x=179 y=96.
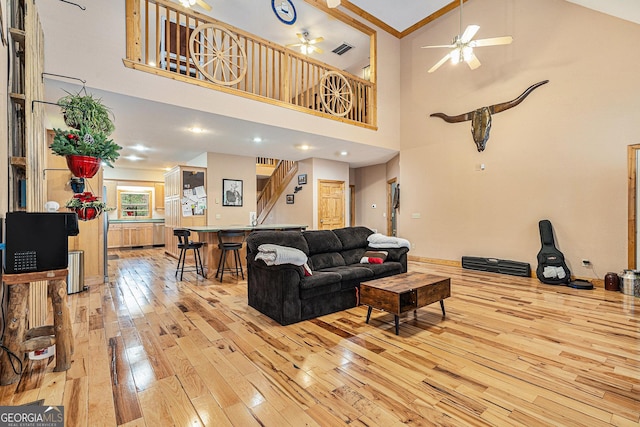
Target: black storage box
x=494 y=265
x=38 y=241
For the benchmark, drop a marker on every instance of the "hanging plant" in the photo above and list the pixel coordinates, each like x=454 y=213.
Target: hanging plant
x=87 y=206
x=86 y=111
x=84 y=142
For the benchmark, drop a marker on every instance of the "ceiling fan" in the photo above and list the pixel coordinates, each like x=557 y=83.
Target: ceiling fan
x=462 y=46
x=203 y=4
x=307 y=45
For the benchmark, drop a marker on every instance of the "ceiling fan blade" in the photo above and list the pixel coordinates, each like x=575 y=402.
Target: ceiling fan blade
x=316 y=40
x=449 y=46
x=442 y=61
x=301 y=37
x=469 y=33
x=473 y=62
x=333 y=3
x=492 y=41
x=316 y=49
x=203 y=4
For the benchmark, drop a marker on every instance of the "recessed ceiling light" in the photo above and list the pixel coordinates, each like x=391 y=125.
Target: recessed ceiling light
x=139 y=147
x=257 y=139
x=303 y=147
x=133 y=158
x=344 y=153
x=196 y=130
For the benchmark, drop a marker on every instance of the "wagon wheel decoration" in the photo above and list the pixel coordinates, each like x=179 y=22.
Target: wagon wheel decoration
x=336 y=94
x=218 y=54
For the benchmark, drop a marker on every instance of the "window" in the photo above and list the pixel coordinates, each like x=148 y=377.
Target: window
x=134 y=204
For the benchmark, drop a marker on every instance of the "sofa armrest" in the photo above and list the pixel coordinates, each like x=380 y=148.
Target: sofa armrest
x=395 y=254
x=275 y=290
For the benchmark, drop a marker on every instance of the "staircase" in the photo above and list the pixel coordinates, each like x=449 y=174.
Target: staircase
x=280 y=178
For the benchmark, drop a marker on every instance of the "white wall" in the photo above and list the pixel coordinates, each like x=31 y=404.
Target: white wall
x=301 y=211
x=371 y=189
x=559 y=155
x=225 y=166
x=119 y=173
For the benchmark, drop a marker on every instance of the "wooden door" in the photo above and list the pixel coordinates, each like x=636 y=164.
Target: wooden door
x=330 y=204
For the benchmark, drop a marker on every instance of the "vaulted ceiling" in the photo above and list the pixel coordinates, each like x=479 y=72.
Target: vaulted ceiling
x=138 y=120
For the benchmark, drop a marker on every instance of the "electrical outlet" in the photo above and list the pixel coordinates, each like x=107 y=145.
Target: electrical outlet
x=586 y=263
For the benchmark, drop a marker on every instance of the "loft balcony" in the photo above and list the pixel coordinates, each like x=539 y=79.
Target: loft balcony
x=169 y=40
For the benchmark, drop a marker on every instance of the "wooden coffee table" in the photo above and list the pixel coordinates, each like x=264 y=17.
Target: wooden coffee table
x=404 y=292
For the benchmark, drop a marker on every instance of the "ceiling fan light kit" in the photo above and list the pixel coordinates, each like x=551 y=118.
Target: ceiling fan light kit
x=333 y=3
x=463 y=44
x=307 y=46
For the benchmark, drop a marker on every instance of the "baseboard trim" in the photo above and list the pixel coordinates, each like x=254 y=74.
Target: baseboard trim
x=598 y=283
x=436 y=261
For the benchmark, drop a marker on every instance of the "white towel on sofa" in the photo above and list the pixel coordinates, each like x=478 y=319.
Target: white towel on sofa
x=377 y=240
x=276 y=255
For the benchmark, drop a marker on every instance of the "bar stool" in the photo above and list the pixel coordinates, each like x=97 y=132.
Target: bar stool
x=228 y=242
x=184 y=244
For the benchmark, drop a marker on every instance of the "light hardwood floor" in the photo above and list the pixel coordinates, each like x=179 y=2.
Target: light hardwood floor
x=151 y=351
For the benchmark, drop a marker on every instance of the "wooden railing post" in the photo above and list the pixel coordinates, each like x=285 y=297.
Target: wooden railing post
x=134 y=51
x=285 y=93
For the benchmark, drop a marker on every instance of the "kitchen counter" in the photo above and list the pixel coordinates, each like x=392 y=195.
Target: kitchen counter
x=126 y=221
x=216 y=228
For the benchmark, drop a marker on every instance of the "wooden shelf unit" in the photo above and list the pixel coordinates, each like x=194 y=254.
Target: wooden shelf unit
x=175 y=182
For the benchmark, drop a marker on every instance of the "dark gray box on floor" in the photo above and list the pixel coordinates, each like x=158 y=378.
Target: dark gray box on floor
x=494 y=265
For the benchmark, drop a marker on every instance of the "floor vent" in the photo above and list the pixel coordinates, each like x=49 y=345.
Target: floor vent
x=342 y=49
x=493 y=265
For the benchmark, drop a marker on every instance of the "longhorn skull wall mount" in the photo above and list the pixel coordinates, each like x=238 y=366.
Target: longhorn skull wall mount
x=481 y=118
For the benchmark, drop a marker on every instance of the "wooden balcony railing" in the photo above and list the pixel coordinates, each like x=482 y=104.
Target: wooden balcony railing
x=167 y=39
x=281 y=176
x=266 y=161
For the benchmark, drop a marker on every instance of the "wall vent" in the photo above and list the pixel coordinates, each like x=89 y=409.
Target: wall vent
x=342 y=49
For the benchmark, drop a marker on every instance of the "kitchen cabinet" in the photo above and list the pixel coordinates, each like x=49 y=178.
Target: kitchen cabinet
x=114 y=236
x=132 y=234
x=177 y=182
x=159 y=196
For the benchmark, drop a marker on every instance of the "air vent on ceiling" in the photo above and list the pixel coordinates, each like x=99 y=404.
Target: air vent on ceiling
x=342 y=49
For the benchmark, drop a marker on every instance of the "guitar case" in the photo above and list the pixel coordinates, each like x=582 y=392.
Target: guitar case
x=552 y=268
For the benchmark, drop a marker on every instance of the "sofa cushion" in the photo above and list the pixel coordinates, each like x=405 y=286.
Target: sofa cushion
x=325 y=260
x=351 y=273
x=322 y=241
x=353 y=237
x=352 y=256
x=292 y=239
x=387 y=268
x=319 y=283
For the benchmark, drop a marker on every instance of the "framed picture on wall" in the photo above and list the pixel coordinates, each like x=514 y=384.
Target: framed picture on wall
x=231 y=192
x=290 y=199
x=302 y=179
